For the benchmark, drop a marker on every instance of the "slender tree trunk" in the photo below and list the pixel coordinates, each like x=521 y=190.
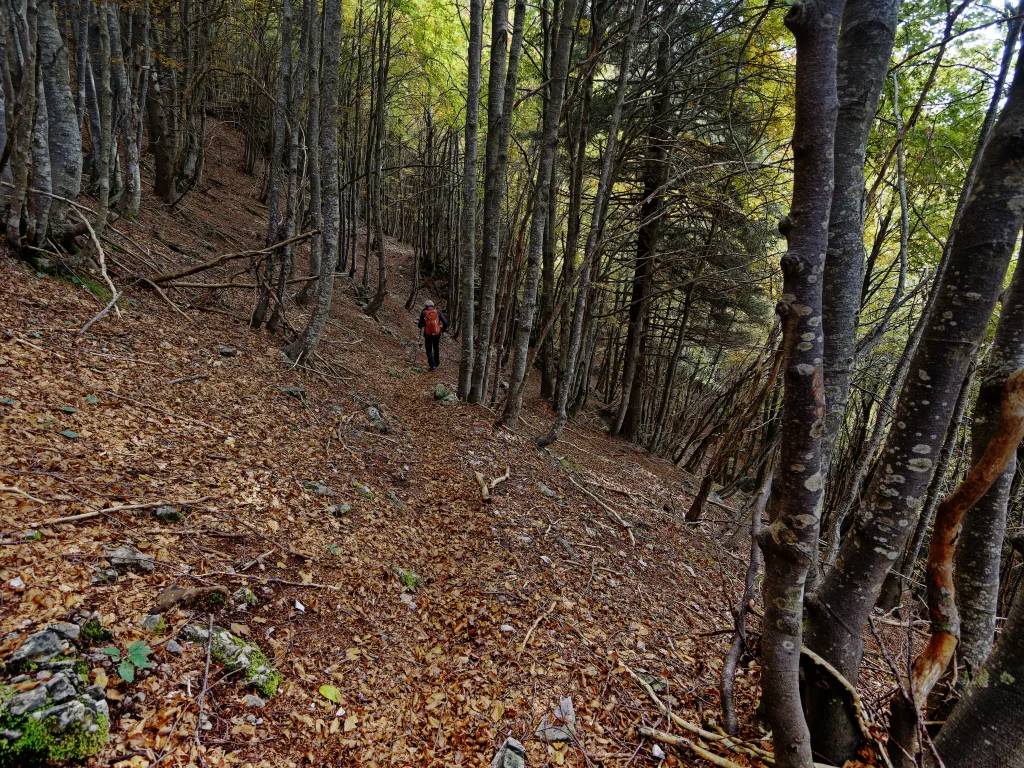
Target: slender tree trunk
x=548 y=145
x=983 y=243
x=865 y=47
x=467 y=269
x=306 y=345
x=790 y=542
x=24 y=29
x=597 y=219
x=313 y=158
x=499 y=127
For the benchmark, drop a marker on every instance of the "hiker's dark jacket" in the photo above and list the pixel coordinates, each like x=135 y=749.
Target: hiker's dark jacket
x=440 y=316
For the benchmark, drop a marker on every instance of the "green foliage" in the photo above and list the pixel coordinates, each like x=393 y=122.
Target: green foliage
x=410 y=579
x=94 y=633
x=136 y=657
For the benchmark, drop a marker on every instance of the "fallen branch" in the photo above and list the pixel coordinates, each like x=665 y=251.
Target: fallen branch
x=224 y=259
x=615 y=516
x=119 y=508
x=161 y=410
x=522 y=645
x=220 y=286
x=487 y=487
x=266 y=580
x=681 y=741
x=195 y=377
x=17 y=490
x=166 y=298
x=102 y=313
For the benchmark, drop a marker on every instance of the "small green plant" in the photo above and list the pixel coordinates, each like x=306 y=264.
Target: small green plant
x=93 y=631
x=394 y=373
x=334 y=549
x=136 y=657
x=410 y=579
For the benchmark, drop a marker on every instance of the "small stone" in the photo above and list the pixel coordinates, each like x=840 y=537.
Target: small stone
x=340 y=510
x=125 y=558
x=168 y=514
x=28 y=701
x=507 y=628
x=41 y=646
x=511 y=754
x=546 y=491
x=363 y=490
x=59 y=689
x=299 y=393
x=96 y=692
x=225 y=351
x=244 y=597
x=17 y=584
x=104 y=576
x=174 y=647
x=657 y=752
x=377 y=419
x=153 y=622
x=9 y=735
x=251 y=700
x=66 y=630
x=194 y=633
x=28 y=536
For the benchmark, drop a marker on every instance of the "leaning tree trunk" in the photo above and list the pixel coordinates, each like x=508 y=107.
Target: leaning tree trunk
x=548 y=145
x=790 y=541
x=306 y=345
x=20 y=137
x=467 y=269
x=983 y=243
x=979 y=547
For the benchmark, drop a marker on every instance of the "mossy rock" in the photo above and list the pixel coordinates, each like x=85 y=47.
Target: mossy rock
x=238 y=654
x=52 y=733
x=93 y=632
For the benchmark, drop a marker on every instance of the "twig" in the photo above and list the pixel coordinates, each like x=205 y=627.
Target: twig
x=206 y=680
x=266 y=580
x=269 y=540
x=166 y=298
x=169 y=276
x=183 y=379
x=119 y=508
x=101 y=256
x=615 y=516
x=102 y=313
x=522 y=646
x=681 y=741
x=16 y=489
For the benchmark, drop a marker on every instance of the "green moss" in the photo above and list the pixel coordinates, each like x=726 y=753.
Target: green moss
x=41 y=743
x=93 y=632
x=209 y=600
x=235 y=653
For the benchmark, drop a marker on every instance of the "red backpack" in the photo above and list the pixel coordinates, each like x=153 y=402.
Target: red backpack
x=432 y=322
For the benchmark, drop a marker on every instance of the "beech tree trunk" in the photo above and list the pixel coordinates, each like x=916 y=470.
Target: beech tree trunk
x=966 y=295
x=499 y=126
x=790 y=541
x=548 y=145
x=980 y=544
x=467 y=269
x=865 y=47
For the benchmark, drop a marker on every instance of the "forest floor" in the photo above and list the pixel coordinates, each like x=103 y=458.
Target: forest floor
x=540 y=594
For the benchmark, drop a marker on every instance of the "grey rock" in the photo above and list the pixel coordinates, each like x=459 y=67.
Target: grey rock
x=363 y=490
x=96 y=693
x=377 y=419
x=60 y=689
x=174 y=648
x=168 y=514
x=225 y=351
x=299 y=393
x=194 y=633
x=65 y=630
x=8 y=735
x=444 y=395
x=546 y=491
x=28 y=701
x=19 y=679
x=251 y=700
x=153 y=622
x=125 y=558
x=243 y=597
x=97 y=707
x=340 y=510
x=318 y=488
x=560 y=727
x=41 y=646
x=511 y=754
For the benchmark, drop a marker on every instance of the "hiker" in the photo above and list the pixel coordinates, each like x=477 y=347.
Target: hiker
x=434 y=323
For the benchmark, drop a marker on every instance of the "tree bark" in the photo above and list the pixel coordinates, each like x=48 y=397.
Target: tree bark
x=306 y=345
x=865 y=47
x=983 y=243
x=499 y=127
x=467 y=269
x=790 y=541
x=548 y=145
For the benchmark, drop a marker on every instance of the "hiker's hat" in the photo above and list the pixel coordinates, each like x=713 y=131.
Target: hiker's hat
x=429 y=303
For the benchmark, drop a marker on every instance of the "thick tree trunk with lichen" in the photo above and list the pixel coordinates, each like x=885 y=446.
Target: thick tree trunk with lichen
x=790 y=541
x=980 y=544
x=967 y=293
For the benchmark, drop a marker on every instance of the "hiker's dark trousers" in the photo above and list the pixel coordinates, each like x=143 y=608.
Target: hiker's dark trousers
x=433 y=344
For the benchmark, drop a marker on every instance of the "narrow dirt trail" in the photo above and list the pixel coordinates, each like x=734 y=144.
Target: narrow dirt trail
x=537 y=595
